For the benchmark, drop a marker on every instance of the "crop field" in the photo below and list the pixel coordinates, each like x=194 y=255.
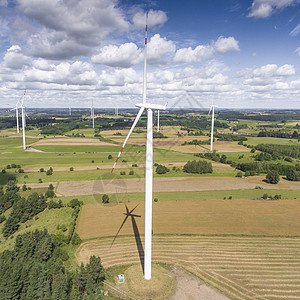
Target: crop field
x=215 y=225
x=270 y=140
x=230 y=217
x=240 y=267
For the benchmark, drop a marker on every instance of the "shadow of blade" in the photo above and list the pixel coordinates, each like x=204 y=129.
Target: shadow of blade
x=118 y=231
x=138 y=241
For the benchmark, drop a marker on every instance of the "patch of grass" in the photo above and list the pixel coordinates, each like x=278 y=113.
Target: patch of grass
x=270 y=140
x=48 y=219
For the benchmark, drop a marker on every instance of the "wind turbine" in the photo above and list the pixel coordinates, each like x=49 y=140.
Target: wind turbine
x=158 y=121
x=23 y=120
x=212 y=110
x=93 y=114
x=149 y=164
x=17 y=106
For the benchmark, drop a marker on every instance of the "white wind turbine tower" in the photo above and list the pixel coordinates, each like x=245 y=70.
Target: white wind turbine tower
x=158 y=121
x=23 y=121
x=212 y=110
x=93 y=114
x=149 y=164
x=17 y=106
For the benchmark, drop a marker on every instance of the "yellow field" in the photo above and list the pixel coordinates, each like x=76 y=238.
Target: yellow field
x=240 y=267
x=66 y=141
x=250 y=217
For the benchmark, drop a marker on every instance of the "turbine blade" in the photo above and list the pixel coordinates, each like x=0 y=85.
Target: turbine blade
x=128 y=135
x=209 y=110
x=27 y=115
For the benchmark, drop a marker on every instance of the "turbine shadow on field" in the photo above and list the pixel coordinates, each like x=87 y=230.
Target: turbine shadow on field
x=137 y=236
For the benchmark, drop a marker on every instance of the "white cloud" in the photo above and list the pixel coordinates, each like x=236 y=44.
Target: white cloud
x=70 y=28
x=202 y=52
x=272 y=70
x=128 y=54
x=159 y=49
x=194 y=55
x=155 y=17
x=118 y=77
x=14 y=59
x=124 y=56
x=298 y=51
x=224 y=45
x=265 y=8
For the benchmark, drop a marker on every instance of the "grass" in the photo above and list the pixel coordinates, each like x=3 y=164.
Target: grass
x=9 y=142
x=104 y=174
x=48 y=219
x=253 y=141
x=204 y=195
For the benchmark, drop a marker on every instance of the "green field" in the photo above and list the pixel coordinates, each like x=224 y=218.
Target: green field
x=253 y=141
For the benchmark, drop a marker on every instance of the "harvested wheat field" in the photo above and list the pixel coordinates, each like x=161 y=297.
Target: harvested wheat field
x=240 y=267
x=65 y=141
x=250 y=217
x=168 y=184
x=220 y=146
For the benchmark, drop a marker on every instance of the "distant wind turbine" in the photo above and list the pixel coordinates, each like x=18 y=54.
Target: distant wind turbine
x=93 y=114
x=149 y=164
x=158 y=121
x=17 y=106
x=212 y=110
x=23 y=120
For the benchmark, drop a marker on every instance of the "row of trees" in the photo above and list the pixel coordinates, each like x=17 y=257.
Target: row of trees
x=280 y=150
x=199 y=167
x=279 y=134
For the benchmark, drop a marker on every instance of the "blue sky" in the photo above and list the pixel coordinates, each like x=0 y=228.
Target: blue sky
x=238 y=54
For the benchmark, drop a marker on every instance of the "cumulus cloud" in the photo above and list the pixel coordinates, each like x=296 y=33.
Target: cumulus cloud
x=15 y=59
x=128 y=54
x=71 y=27
x=223 y=45
x=271 y=70
x=298 y=51
x=265 y=8
x=155 y=17
x=202 y=52
x=124 y=56
x=159 y=50
x=118 y=77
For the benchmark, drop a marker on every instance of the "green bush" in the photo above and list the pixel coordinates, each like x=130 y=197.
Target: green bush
x=272 y=177
x=105 y=199
x=160 y=169
x=49 y=172
x=199 y=167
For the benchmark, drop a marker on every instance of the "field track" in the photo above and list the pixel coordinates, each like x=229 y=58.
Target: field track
x=167 y=184
x=240 y=267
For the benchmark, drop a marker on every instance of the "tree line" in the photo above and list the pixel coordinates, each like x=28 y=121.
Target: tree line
x=34 y=270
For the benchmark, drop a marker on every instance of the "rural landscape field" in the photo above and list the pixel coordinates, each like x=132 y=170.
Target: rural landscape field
x=149 y=150
x=232 y=222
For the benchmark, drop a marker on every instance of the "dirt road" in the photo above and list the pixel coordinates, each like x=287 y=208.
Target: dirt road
x=168 y=184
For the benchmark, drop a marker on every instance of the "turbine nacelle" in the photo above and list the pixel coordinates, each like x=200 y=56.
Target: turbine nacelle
x=152 y=106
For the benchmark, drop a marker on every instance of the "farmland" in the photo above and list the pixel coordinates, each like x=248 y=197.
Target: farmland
x=225 y=227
